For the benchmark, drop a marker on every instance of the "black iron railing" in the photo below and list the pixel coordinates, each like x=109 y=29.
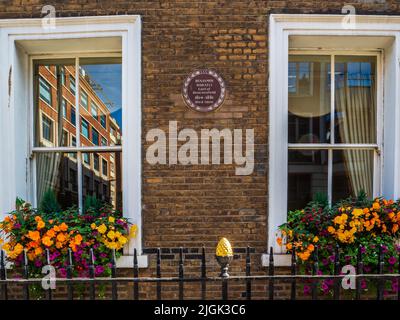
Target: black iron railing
x=269 y=279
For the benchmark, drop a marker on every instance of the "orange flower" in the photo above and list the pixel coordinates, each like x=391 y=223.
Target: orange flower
x=34 y=235
x=331 y=229
x=40 y=225
x=61 y=237
x=78 y=239
x=50 y=233
x=289 y=246
x=310 y=247
x=59 y=245
x=38 y=218
x=38 y=251
x=63 y=227
x=395 y=228
x=32 y=244
x=47 y=241
x=376 y=206
x=279 y=241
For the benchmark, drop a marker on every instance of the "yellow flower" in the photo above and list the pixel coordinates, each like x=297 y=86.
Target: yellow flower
x=316 y=239
x=133 y=231
x=93 y=226
x=111 y=245
x=122 y=240
x=111 y=219
x=357 y=212
x=111 y=235
x=102 y=228
x=289 y=246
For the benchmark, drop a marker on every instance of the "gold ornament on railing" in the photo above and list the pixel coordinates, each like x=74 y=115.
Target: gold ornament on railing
x=224 y=255
x=224 y=248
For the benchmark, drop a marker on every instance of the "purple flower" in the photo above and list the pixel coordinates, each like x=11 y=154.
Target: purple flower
x=103 y=255
x=325 y=287
x=392 y=260
x=38 y=263
x=325 y=262
x=395 y=286
x=384 y=249
x=363 y=250
x=363 y=284
x=367 y=269
x=63 y=272
x=99 y=270
x=17 y=226
x=332 y=258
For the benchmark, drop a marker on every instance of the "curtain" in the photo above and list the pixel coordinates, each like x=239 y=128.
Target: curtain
x=356 y=110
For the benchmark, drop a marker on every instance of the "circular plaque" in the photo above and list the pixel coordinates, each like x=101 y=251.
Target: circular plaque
x=204 y=90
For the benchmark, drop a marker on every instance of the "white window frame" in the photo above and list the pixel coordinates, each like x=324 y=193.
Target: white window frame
x=281 y=26
x=16 y=69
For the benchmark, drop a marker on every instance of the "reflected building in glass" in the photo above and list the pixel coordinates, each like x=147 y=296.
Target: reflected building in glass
x=56 y=120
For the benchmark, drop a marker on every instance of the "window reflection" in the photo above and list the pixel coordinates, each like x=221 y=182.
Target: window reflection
x=99 y=124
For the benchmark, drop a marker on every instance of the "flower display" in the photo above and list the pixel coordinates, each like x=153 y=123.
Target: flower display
x=31 y=231
x=352 y=225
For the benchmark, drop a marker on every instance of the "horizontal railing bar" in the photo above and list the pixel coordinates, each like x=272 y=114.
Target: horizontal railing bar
x=77 y=149
x=328 y=146
x=232 y=278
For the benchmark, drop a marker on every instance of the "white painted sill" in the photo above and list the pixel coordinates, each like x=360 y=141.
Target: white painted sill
x=126 y=261
x=280 y=260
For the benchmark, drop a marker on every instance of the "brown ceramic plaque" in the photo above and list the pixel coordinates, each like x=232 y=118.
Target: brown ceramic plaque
x=204 y=90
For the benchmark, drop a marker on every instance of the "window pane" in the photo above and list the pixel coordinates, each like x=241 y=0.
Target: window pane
x=309 y=99
x=101 y=183
x=307 y=176
x=353 y=171
x=47 y=128
x=72 y=86
x=56 y=172
x=95 y=137
x=53 y=104
x=84 y=99
x=355 y=99
x=85 y=129
x=101 y=79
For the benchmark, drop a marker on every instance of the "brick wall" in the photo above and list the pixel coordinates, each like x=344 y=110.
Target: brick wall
x=195 y=205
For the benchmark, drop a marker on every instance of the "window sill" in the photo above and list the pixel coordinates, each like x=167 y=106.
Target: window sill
x=280 y=260
x=126 y=261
